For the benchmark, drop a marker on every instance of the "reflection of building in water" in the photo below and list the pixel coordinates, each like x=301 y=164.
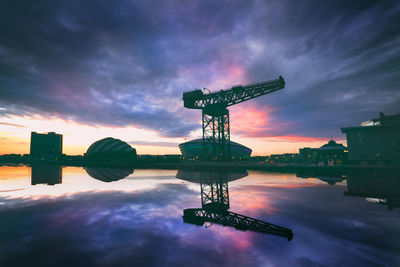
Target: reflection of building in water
x=375 y=141
x=108 y=174
x=202 y=176
x=331 y=180
x=379 y=187
x=215 y=204
x=46 y=145
x=46 y=174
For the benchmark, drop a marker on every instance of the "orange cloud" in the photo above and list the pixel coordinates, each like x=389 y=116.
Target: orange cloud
x=296 y=139
x=250 y=119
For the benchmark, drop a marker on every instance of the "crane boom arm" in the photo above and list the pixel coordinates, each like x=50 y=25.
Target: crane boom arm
x=241 y=222
x=198 y=100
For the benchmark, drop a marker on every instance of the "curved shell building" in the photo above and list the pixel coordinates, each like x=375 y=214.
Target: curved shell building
x=111 y=149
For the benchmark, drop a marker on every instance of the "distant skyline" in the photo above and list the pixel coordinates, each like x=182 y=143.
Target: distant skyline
x=93 y=69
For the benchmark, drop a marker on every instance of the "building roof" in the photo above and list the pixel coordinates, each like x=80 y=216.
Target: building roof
x=200 y=141
x=109 y=144
x=384 y=121
x=332 y=145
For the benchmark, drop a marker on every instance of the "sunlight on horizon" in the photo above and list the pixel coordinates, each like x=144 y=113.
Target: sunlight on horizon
x=15 y=134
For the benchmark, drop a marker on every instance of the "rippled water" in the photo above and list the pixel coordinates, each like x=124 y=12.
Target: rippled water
x=75 y=217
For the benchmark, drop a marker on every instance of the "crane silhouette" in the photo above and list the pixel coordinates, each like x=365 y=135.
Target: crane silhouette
x=215 y=115
x=215 y=204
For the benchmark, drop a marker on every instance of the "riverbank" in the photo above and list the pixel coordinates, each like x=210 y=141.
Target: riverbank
x=201 y=165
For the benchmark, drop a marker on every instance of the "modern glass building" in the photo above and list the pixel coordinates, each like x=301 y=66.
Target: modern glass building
x=194 y=150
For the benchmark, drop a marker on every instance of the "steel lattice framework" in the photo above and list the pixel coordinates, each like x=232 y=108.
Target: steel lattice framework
x=215 y=194
x=215 y=205
x=215 y=115
x=238 y=221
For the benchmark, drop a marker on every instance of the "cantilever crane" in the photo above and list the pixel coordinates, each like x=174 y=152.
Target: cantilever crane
x=215 y=115
x=215 y=206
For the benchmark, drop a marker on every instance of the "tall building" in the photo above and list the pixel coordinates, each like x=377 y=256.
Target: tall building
x=375 y=141
x=46 y=145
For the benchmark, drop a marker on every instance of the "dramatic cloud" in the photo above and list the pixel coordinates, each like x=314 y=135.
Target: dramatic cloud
x=128 y=62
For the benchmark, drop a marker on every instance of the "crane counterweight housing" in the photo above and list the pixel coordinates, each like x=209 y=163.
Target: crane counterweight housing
x=189 y=98
x=215 y=115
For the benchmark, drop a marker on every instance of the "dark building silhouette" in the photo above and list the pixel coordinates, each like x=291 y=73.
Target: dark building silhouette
x=195 y=149
x=331 y=153
x=46 y=145
x=111 y=150
x=375 y=141
x=283 y=158
x=308 y=155
x=46 y=174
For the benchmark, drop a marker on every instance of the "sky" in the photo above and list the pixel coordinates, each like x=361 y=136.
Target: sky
x=93 y=69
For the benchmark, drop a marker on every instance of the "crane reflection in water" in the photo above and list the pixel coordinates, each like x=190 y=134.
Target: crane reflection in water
x=215 y=203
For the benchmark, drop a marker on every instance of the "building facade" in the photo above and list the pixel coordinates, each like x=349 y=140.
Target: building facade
x=332 y=153
x=376 y=141
x=46 y=145
x=308 y=155
x=194 y=150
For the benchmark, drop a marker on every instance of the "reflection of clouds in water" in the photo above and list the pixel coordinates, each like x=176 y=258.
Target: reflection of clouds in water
x=107 y=228
x=145 y=228
x=327 y=226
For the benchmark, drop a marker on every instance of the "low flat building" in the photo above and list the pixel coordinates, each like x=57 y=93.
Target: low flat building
x=308 y=155
x=194 y=150
x=376 y=141
x=283 y=158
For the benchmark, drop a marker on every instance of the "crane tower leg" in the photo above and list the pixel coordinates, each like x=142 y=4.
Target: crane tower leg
x=216 y=134
x=215 y=194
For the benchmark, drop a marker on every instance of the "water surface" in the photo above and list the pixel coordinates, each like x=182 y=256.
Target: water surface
x=75 y=217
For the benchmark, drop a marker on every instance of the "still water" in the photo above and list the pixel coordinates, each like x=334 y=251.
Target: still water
x=71 y=216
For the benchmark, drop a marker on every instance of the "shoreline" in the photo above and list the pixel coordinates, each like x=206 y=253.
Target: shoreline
x=195 y=165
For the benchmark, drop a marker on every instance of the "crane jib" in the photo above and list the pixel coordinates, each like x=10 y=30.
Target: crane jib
x=197 y=99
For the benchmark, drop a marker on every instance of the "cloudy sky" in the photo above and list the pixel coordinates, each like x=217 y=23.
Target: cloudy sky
x=92 y=69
